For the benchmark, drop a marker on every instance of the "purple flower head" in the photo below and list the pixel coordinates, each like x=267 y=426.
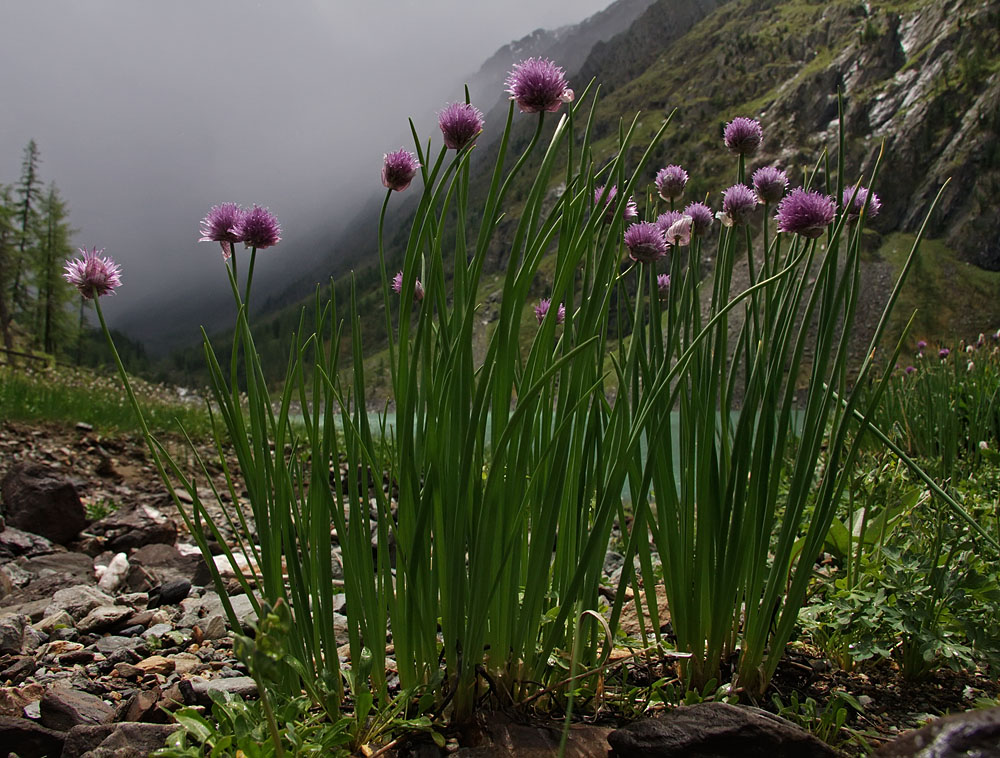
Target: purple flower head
x=910 y=369
x=538 y=85
x=854 y=208
x=738 y=205
x=670 y=182
x=679 y=232
x=806 y=213
x=460 y=124
x=543 y=308
x=258 y=228
x=663 y=284
x=220 y=226
x=398 y=169
x=629 y=212
x=701 y=217
x=770 y=184
x=93 y=274
x=921 y=345
x=397 y=286
x=667 y=219
x=743 y=135
x=944 y=353
x=645 y=242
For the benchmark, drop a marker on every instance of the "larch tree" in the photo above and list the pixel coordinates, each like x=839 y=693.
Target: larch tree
x=54 y=294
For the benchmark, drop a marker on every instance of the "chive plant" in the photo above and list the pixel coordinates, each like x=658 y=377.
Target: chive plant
x=484 y=571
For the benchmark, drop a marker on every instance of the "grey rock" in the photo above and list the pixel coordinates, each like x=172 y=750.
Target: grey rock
x=78 y=601
x=135 y=526
x=50 y=623
x=194 y=610
x=169 y=593
x=29 y=740
x=214 y=628
x=975 y=734
x=716 y=730
x=196 y=690
x=40 y=500
x=15 y=543
x=103 y=618
x=112 y=643
x=159 y=564
x=156 y=630
x=17 y=636
x=63 y=708
x=128 y=740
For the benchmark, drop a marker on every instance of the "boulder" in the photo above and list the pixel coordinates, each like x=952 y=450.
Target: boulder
x=40 y=500
x=27 y=739
x=127 y=740
x=159 y=564
x=716 y=730
x=960 y=735
x=63 y=708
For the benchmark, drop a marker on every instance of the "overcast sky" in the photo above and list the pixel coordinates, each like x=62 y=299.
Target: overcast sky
x=147 y=113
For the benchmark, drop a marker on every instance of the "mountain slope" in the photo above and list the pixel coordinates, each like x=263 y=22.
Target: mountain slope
x=921 y=76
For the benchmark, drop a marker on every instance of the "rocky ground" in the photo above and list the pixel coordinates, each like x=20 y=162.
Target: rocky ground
x=109 y=623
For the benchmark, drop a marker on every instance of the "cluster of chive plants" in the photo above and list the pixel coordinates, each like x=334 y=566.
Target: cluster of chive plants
x=943 y=405
x=510 y=469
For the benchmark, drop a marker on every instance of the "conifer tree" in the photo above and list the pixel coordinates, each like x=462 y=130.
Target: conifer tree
x=28 y=191
x=6 y=244
x=54 y=294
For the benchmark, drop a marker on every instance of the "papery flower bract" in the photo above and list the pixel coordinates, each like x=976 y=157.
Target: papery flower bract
x=854 y=208
x=220 y=226
x=663 y=284
x=460 y=124
x=667 y=219
x=543 y=308
x=670 y=182
x=743 y=135
x=93 y=274
x=701 y=217
x=944 y=352
x=679 y=232
x=538 y=85
x=398 y=169
x=418 y=290
x=807 y=213
x=629 y=212
x=770 y=184
x=738 y=205
x=258 y=228
x=645 y=242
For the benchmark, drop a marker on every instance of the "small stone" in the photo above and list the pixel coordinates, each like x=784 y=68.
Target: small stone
x=61 y=647
x=50 y=623
x=169 y=593
x=960 y=735
x=155 y=664
x=17 y=635
x=214 y=628
x=103 y=618
x=13 y=700
x=127 y=670
x=197 y=690
x=186 y=663
x=114 y=574
x=112 y=643
x=78 y=601
x=134 y=526
x=156 y=630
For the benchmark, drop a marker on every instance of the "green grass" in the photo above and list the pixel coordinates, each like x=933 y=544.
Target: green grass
x=68 y=396
x=931 y=290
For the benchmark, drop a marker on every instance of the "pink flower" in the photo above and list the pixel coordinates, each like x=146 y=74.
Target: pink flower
x=93 y=274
